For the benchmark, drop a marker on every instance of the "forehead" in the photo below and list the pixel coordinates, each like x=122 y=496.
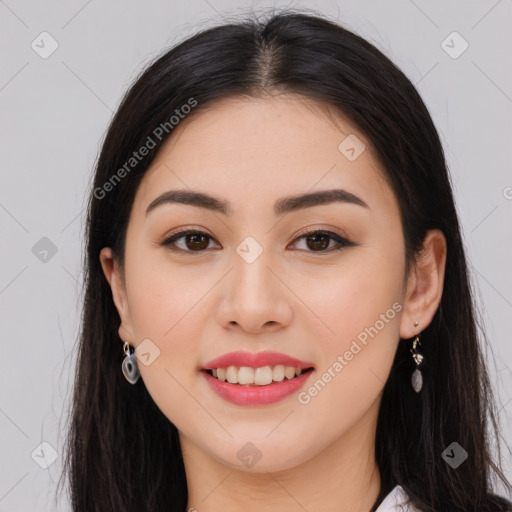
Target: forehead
x=243 y=148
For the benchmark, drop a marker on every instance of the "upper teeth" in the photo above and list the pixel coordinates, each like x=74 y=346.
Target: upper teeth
x=258 y=376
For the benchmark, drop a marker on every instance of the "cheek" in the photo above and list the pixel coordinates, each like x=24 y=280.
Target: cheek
x=362 y=308
x=164 y=306
x=361 y=290
x=161 y=296
x=355 y=363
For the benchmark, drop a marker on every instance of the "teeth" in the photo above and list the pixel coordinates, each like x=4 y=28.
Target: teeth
x=289 y=372
x=245 y=375
x=262 y=376
x=278 y=373
x=232 y=374
x=256 y=376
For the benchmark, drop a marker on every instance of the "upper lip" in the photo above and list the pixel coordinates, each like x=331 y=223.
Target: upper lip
x=254 y=360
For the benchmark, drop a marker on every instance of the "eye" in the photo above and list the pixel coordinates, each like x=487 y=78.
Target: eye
x=199 y=241
x=320 y=241
x=193 y=241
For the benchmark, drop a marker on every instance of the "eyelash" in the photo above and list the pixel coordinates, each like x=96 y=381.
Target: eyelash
x=342 y=242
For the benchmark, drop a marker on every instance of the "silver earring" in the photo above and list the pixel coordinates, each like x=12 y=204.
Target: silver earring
x=129 y=366
x=417 y=377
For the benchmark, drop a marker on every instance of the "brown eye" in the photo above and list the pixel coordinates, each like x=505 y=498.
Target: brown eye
x=196 y=242
x=320 y=241
x=191 y=241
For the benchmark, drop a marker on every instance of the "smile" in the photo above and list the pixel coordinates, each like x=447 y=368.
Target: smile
x=262 y=376
x=256 y=394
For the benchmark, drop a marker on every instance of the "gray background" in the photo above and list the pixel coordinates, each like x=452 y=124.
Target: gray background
x=54 y=113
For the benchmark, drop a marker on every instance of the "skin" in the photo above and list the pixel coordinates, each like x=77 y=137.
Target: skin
x=294 y=298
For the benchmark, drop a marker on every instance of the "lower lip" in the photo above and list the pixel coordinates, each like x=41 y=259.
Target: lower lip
x=240 y=394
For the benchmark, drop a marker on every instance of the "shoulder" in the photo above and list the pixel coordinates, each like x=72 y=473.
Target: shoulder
x=396 y=501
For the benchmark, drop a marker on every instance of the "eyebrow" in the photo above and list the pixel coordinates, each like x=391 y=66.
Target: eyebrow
x=281 y=206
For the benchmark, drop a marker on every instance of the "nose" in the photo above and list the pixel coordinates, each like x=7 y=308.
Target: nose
x=255 y=298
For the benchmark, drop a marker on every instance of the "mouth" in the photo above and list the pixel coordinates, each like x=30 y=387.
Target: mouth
x=256 y=386
x=257 y=377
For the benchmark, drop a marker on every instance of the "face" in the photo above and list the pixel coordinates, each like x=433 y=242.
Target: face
x=321 y=282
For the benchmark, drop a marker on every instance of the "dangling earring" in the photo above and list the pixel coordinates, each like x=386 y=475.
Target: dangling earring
x=417 y=377
x=129 y=366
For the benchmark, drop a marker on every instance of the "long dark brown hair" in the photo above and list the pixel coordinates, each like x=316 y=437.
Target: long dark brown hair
x=122 y=453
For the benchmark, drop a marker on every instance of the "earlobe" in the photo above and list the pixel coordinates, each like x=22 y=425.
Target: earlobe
x=425 y=285
x=115 y=280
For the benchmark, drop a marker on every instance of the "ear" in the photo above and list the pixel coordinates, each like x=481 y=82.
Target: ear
x=424 y=285
x=115 y=280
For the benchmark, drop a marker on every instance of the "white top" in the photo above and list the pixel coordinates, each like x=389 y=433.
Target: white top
x=395 y=502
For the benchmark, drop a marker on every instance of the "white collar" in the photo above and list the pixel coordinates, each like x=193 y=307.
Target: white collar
x=395 y=502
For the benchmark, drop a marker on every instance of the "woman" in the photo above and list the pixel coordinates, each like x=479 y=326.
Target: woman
x=278 y=314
